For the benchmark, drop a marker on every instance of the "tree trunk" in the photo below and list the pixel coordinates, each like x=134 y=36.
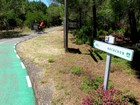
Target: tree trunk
x=80 y=17
x=133 y=28
x=94 y=21
x=66 y=26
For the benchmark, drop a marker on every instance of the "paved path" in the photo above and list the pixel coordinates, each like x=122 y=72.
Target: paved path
x=15 y=85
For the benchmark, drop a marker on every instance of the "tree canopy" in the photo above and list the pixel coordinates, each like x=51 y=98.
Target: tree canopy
x=22 y=13
x=106 y=16
x=93 y=17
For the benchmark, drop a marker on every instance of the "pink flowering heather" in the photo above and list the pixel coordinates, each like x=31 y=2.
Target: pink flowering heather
x=87 y=101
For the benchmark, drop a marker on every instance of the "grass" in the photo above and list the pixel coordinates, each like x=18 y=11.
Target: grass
x=51 y=60
x=76 y=70
x=122 y=65
x=72 y=75
x=59 y=86
x=88 y=84
x=119 y=64
x=43 y=81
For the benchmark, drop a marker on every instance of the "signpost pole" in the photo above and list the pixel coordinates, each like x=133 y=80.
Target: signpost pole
x=111 y=40
x=107 y=70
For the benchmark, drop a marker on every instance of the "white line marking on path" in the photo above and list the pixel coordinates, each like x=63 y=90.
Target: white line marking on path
x=28 y=81
x=15 y=51
x=17 y=56
x=22 y=65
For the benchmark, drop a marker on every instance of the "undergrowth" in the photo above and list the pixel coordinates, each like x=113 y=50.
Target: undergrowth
x=109 y=97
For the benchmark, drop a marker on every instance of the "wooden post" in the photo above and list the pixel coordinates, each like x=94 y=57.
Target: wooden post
x=66 y=26
x=94 y=20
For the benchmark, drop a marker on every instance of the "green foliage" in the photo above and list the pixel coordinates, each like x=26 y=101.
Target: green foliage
x=10 y=12
x=102 y=33
x=122 y=65
x=110 y=31
x=122 y=31
x=76 y=70
x=84 y=35
x=14 y=13
x=55 y=14
x=87 y=84
x=36 y=6
x=32 y=16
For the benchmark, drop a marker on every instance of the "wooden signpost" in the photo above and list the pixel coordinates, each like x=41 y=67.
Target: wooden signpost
x=112 y=50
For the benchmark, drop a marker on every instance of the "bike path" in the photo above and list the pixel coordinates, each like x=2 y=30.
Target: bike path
x=15 y=86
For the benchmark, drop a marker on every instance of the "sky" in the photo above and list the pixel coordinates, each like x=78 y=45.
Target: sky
x=47 y=2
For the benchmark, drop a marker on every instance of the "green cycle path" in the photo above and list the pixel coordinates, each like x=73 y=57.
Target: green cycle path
x=15 y=87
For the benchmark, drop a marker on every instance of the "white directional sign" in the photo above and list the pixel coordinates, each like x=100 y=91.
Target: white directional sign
x=114 y=50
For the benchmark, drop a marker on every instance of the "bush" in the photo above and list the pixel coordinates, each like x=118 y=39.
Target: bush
x=102 y=33
x=105 y=97
x=110 y=31
x=120 y=30
x=109 y=97
x=84 y=35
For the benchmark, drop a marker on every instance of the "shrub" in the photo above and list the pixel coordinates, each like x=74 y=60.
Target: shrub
x=110 y=31
x=84 y=35
x=102 y=32
x=109 y=97
x=121 y=30
x=105 y=97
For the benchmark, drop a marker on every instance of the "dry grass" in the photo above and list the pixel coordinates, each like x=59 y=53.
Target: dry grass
x=48 y=53
x=42 y=47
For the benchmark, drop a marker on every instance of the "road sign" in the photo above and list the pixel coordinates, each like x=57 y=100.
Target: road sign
x=114 y=50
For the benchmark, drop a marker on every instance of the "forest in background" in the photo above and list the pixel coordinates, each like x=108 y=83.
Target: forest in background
x=91 y=18
x=22 y=13
x=103 y=17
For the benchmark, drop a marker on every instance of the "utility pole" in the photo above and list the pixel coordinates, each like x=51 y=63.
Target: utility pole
x=66 y=26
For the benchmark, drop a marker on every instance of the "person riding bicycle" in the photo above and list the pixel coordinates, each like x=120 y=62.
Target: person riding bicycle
x=41 y=26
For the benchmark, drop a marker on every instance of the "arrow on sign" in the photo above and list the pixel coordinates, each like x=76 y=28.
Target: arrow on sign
x=114 y=50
